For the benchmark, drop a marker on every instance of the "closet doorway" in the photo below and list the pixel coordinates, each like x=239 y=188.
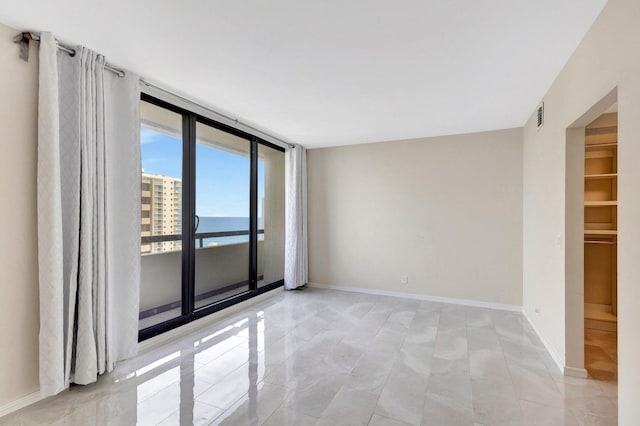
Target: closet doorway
x=600 y=246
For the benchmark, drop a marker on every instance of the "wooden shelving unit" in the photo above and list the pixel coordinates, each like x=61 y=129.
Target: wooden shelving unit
x=600 y=227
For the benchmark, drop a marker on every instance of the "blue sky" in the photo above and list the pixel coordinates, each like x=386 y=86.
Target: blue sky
x=222 y=178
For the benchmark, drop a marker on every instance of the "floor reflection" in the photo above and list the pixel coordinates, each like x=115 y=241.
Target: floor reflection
x=221 y=368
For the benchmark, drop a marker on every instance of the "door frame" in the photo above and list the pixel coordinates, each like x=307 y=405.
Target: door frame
x=188 y=311
x=574 y=235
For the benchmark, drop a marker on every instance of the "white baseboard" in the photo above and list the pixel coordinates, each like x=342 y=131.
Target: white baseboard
x=12 y=406
x=556 y=358
x=448 y=300
x=580 y=373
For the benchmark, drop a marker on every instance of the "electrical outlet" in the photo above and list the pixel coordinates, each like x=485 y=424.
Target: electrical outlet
x=404 y=279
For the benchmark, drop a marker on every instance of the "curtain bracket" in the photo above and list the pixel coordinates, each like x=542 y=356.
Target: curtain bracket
x=23 y=40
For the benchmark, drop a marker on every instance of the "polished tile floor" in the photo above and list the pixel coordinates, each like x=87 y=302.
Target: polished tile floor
x=322 y=357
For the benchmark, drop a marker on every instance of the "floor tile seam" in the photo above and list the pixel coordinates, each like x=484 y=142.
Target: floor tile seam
x=219 y=381
x=575 y=412
x=220 y=355
x=435 y=340
x=425 y=396
x=224 y=410
x=504 y=357
x=583 y=398
x=386 y=381
x=565 y=410
x=504 y=360
x=513 y=383
x=601 y=385
x=296 y=345
x=151 y=395
x=388 y=314
x=345 y=387
x=204 y=390
x=201 y=402
x=386 y=417
x=209 y=423
x=373 y=413
x=281 y=405
x=466 y=330
x=368 y=311
x=451 y=402
x=248 y=361
x=426 y=392
x=283 y=364
x=172 y=413
x=377 y=330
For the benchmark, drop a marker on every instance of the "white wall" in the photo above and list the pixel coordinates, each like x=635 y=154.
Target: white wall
x=607 y=58
x=446 y=211
x=19 y=305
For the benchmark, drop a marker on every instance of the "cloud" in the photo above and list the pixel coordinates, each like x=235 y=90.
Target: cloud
x=149 y=136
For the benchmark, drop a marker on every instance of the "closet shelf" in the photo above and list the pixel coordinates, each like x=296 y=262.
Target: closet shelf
x=592 y=314
x=600 y=242
x=600 y=203
x=601 y=232
x=602 y=176
x=602 y=145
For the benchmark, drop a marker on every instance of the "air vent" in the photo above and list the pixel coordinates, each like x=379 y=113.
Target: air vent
x=540 y=115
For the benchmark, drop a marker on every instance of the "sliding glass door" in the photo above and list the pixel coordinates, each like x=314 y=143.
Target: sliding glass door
x=161 y=147
x=222 y=249
x=212 y=216
x=270 y=215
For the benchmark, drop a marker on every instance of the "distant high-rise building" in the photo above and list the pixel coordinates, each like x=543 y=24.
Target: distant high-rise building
x=161 y=211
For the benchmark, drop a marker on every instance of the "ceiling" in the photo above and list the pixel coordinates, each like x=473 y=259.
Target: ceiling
x=327 y=73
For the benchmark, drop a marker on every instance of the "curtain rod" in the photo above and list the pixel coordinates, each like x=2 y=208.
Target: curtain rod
x=24 y=37
x=219 y=114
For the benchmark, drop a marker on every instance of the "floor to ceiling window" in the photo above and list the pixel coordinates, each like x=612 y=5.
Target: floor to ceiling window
x=212 y=216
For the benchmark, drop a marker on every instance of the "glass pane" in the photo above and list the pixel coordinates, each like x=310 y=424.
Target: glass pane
x=270 y=215
x=222 y=206
x=161 y=214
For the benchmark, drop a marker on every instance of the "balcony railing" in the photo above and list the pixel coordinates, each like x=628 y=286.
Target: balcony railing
x=199 y=236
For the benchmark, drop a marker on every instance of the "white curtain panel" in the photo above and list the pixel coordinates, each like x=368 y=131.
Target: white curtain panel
x=88 y=216
x=295 y=259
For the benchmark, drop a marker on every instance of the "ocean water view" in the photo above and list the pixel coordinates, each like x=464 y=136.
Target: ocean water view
x=222 y=224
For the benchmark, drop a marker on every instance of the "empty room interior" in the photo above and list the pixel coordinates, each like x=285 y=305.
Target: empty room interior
x=311 y=213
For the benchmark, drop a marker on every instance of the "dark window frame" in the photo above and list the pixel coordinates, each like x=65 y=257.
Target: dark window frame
x=189 y=311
